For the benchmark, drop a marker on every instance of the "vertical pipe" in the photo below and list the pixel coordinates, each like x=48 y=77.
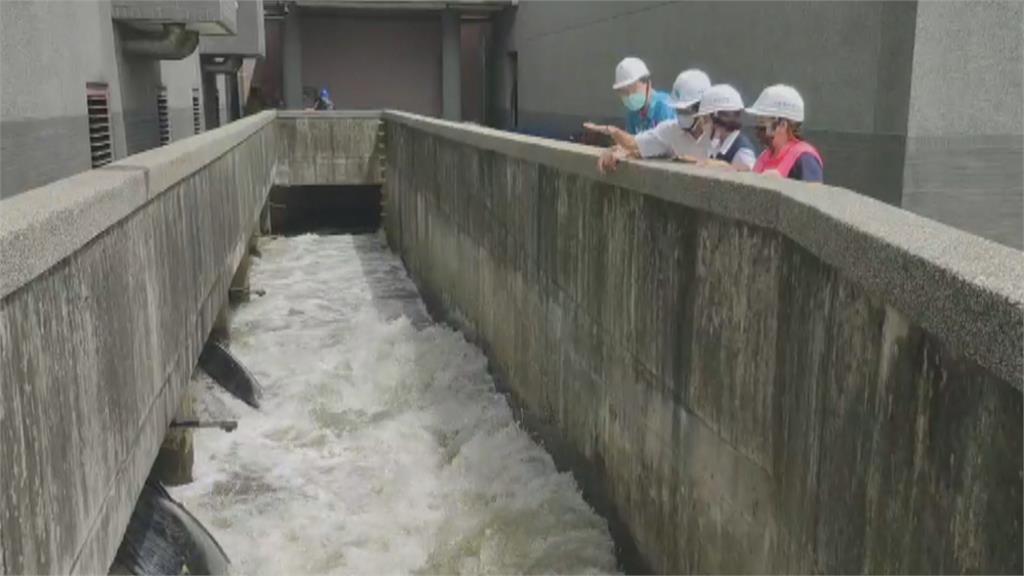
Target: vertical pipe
x=451 y=71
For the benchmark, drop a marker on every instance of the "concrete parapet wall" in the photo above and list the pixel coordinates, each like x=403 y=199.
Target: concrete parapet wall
x=759 y=376
x=110 y=283
x=332 y=148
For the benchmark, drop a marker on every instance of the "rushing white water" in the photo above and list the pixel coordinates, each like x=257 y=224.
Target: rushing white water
x=382 y=446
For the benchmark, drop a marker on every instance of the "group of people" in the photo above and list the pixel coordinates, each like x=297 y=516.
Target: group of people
x=701 y=123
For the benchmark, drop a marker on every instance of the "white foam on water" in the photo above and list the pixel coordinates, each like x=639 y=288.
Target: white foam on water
x=382 y=446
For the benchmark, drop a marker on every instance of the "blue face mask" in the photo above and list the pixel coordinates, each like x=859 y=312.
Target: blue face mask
x=635 y=101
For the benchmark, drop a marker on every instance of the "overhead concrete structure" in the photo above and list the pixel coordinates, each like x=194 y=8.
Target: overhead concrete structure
x=746 y=375
x=135 y=61
x=250 y=38
x=205 y=16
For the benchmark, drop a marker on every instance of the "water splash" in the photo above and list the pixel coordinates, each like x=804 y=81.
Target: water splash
x=382 y=446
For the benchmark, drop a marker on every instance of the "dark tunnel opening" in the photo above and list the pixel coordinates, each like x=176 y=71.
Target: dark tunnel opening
x=352 y=209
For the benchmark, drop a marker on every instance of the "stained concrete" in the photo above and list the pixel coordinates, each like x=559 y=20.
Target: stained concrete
x=111 y=283
x=760 y=376
x=343 y=150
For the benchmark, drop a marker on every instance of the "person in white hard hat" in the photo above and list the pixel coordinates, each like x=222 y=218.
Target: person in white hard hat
x=645 y=106
x=721 y=109
x=678 y=137
x=780 y=115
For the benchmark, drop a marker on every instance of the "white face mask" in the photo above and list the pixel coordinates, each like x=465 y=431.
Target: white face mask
x=685 y=121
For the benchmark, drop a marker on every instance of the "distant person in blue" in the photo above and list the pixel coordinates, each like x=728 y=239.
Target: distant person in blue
x=323 y=102
x=645 y=106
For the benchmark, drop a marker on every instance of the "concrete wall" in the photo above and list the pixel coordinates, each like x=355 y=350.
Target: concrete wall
x=48 y=52
x=329 y=148
x=854 y=62
x=851 y=63
x=374 y=62
x=181 y=77
x=111 y=282
x=966 y=122
x=757 y=376
x=250 y=38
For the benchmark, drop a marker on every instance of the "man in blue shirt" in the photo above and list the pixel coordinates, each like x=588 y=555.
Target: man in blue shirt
x=646 y=107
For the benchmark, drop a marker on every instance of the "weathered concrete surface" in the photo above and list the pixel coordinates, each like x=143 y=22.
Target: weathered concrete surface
x=761 y=376
x=337 y=148
x=111 y=281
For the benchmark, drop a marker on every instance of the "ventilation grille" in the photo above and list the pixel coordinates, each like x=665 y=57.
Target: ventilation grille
x=197 y=124
x=98 y=104
x=161 y=113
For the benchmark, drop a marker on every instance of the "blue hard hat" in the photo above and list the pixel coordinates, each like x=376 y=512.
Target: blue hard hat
x=324 y=93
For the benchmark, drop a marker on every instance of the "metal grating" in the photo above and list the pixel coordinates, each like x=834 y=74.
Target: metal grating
x=197 y=124
x=162 y=118
x=97 y=98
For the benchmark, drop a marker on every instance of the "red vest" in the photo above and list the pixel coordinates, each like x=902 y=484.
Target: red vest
x=783 y=162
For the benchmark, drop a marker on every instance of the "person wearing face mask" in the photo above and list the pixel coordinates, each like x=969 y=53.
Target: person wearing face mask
x=674 y=138
x=780 y=114
x=720 y=110
x=645 y=106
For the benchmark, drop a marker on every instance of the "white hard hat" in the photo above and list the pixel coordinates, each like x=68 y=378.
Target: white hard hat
x=720 y=98
x=629 y=71
x=689 y=87
x=779 y=101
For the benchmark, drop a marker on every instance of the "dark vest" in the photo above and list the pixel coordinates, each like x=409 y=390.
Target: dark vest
x=741 y=141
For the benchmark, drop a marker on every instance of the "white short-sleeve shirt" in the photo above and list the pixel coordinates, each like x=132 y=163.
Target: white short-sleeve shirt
x=667 y=139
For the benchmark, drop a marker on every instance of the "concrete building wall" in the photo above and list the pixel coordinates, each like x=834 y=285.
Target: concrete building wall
x=181 y=77
x=48 y=52
x=755 y=376
x=966 y=123
x=850 y=60
x=948 y=74
x=140 y=83
x=374 y=62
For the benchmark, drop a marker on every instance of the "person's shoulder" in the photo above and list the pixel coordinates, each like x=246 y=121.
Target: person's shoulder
x=809 y=167
x=666 y=127
x=663 y=102
x=662 y=96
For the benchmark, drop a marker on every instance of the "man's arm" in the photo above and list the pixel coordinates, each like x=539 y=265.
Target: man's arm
x=623 y=139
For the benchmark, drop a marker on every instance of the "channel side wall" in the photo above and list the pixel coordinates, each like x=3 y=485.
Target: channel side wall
x=111 y=280
x=754 y=375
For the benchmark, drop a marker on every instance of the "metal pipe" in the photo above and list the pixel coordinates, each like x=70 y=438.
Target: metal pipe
x=172 y=42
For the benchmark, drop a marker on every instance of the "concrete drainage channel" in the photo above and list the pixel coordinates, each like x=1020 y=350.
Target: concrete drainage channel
x=820 y=381
x=484 y=497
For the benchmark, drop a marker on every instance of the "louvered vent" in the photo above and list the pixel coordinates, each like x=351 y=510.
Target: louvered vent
x=162 y=118
x=197 y=124
x=98 y=103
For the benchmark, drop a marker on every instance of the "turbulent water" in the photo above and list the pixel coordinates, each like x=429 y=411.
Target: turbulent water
x=382 y=446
